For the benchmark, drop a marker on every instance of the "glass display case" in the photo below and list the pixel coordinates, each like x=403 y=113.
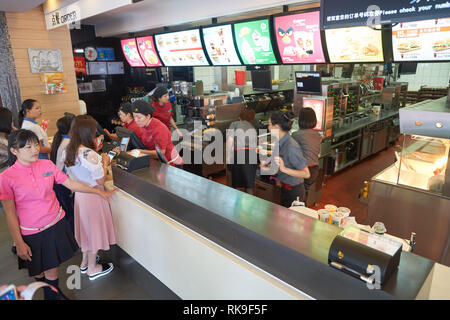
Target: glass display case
x=421 y=164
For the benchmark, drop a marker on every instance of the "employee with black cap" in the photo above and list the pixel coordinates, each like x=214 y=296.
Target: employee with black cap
x=155 y=135
x=126 y=116
x=163 y=108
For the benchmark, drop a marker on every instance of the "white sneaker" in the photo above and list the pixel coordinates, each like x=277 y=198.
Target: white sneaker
x=106 y=268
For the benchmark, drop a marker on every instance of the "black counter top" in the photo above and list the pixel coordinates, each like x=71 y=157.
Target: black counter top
x=291 y=246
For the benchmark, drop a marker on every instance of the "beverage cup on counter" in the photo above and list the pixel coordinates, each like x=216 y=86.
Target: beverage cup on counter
x=330 y=208
x=344 y=211
x=323 y=214
x=337 y=219
x=379 y=228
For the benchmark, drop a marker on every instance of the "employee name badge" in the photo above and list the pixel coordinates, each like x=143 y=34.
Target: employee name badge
x=372 y=240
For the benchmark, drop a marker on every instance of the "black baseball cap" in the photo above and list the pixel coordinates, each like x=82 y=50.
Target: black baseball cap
x=141 y=106
x=126 y=107
x=159 y=92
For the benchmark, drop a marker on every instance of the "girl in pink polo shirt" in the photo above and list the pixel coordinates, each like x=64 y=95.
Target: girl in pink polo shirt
x=35 y=219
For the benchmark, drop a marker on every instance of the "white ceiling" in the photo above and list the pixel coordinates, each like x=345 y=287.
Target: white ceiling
x=154 y=14
x=19 y=5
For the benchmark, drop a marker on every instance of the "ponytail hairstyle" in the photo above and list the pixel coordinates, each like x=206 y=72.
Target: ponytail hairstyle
x=63 y=125
x=18 y=139
x=284 y=119
x=26 y=105
x=82 y=132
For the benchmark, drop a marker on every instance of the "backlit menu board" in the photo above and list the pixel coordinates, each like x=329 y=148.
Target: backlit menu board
x=147 y=50
x=220 y=46
x=358 y=44
x=183 y=48
x=253 y=42
x=131 y=53
x=349 y=13
x=422 y=40
x=298 y=38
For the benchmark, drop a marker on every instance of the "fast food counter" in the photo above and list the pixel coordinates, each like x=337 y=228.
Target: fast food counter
x=203 y=240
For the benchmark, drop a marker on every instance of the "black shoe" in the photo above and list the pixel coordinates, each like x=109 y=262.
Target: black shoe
x=14 y=250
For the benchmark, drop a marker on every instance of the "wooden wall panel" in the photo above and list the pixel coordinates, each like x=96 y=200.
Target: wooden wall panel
x=28 y=30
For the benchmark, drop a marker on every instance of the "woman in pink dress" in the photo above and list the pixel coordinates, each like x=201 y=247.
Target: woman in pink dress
x=94 y=228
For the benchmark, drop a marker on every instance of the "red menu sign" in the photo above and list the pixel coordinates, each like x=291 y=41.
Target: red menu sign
x=80 y=65
x=147 y=50
x=131 y=53
x=298 y=38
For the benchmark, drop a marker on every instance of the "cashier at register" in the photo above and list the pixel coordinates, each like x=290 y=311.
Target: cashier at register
x=291 y=165
x=155 y=135
x=126 y=116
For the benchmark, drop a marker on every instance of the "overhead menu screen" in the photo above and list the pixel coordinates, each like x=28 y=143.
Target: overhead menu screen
x=183 y=48
x=298 y=38
x=220 y=46
x=253 y=42
x=147 y=50
x=427 y=40
x=348 y=13
x=131 y=53
x=358 y=44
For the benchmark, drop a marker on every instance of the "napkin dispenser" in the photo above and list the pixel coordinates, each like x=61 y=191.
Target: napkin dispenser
x=132 y=160
x=367 y=256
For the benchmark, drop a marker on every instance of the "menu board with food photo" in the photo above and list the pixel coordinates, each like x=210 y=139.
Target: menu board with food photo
x=183 y=48
x=253 y=41
x=131 y=53
x=147 y=50
x=357 y=44
x=298 y=38
x=219 y=45
x=422 y=40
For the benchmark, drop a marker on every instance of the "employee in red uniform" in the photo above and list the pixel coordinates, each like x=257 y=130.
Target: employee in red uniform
x=155 y=135
x=163 y=109
x=126 y=116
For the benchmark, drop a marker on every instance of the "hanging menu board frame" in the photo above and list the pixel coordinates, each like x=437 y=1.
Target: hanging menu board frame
x=419 y=60
x=161 y=64
x=234 y=44
x=137 y=50
x=384 y=50
x=322 y=36
x=271 y=42
x=160 y=55
x=390 y=12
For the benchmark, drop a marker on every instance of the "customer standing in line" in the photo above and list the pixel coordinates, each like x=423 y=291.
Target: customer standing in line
x=163 y=109
x=310 y=141
x=290 y=164
x=6 y=126
x=31 y=110
x=60 y=142
x=94 y=228
x=35 y=219
x=242 y=159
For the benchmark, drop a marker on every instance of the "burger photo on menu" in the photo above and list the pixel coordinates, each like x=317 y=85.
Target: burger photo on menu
x=441 y=45
x=370 y=50
x=409 y=46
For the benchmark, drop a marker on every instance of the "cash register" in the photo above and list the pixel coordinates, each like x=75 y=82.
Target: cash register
x=128 y=157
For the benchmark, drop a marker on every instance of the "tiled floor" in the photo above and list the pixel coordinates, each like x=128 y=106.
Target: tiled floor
x=115 y=286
